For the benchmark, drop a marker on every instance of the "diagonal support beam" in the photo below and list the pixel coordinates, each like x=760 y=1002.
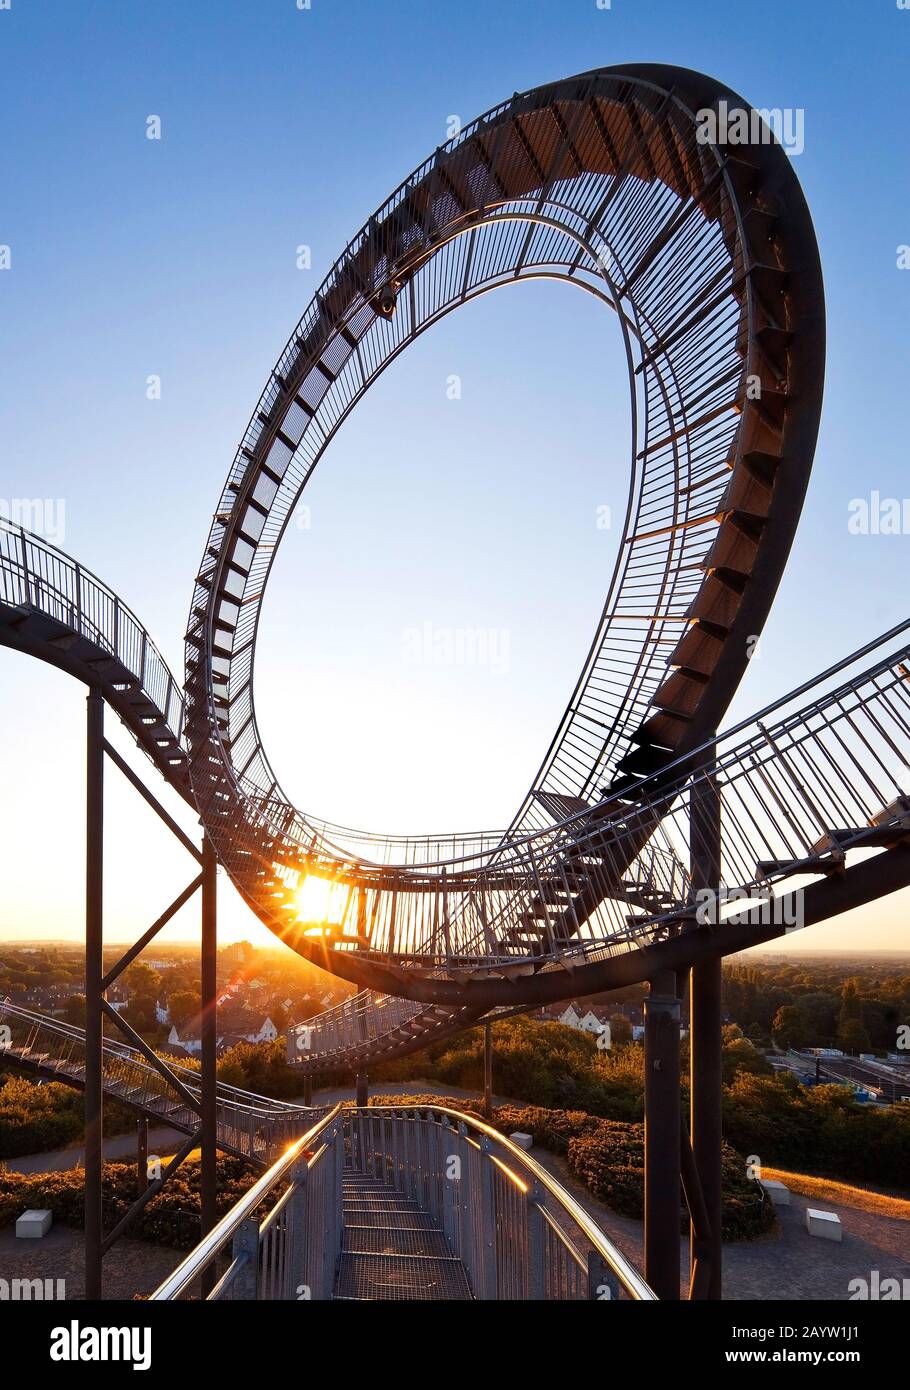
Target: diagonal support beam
x=152 y=1057
x=139 y=946
x=151 y=1191
x=152 y=801
x=701 y=1243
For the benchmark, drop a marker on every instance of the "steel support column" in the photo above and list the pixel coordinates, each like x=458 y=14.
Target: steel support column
x=308 y=1090
x=209 y=1040
x=363 y=1089
x=142 y=1155
x=662 y=1138
x=705 y=1043
x=94 y=976
x=488 y=1071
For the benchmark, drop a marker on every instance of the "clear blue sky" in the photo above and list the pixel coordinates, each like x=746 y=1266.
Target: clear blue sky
x=176 y=258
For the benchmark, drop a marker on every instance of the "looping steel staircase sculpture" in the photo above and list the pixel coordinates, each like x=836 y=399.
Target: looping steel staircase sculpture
x=707 y=258
x=641 y=823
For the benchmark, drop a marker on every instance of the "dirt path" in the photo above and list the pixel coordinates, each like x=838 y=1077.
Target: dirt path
x=119 y=1146
x=133 y=1266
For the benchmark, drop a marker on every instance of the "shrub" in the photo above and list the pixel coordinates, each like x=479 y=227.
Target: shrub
x=36 y=1119
x=170 y=1218
x=611 y=1163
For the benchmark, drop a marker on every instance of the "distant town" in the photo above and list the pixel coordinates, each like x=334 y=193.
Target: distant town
x=850 y=1012
x=261 y=992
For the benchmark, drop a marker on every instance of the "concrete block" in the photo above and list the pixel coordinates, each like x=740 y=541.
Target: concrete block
x=524 y=1141
x=32 y=1225
x=824 y=1224
x=779 y=1194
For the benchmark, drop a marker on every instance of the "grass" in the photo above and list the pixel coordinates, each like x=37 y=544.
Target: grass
x=826 y=1189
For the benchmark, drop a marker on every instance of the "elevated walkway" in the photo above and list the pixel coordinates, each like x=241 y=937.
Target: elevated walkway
x=406 y=1202
x=249 y=1126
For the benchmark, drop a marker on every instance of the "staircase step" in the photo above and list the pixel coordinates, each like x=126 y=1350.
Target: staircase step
x=395 y=1240
x=391 y=1249
x=401 y=1277
x=388 y=1219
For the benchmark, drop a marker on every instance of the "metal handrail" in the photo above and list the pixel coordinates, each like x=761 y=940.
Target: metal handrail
x=211 y=1244
x=262 y=1262
x=248 y=1124
x=38 y=575
x=612 y=1257
x=336 y=299
x=132 y=1054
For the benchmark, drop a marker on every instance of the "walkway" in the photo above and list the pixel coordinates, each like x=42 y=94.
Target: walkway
x=790 y=1264
x=118 y=1148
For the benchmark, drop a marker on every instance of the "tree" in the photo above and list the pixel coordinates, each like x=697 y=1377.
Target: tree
x=853 y=1036
x=142 y=980
x=851 y=1004
x=144 y=984
x=740 y=1055
x=183 y=1005
x=851 y=1033
x=74 y=1008
x=791 y=1027
x=620 y=1030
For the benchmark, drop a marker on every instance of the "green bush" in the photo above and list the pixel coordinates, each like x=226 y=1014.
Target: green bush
x=171 y=1218
x=38 y=1118
x=818 y=1129
x=610 y=1162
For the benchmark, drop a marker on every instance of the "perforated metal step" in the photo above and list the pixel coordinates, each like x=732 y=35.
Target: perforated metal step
x=392 y=1250
x=404 y=1240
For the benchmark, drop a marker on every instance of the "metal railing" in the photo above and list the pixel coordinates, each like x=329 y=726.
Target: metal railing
x=369 y=1026
x=815 y=777
x=687 y=327
x=282 y=1240
x=517 y=1232
x=248 y=1125
x=36 y=575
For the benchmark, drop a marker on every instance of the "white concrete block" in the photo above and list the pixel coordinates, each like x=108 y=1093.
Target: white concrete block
x=779 y=1194
x=32 y=1225
x=524 y=1141
x=824 y=1224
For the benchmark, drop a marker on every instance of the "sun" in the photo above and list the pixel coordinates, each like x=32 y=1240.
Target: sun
x=319 y=900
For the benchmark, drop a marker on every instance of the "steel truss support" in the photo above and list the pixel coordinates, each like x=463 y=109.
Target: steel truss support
x=488 y=1071
x=94 y=994
x=209 y=1039
x=706 y=1054
x=662 y=1137
x=97 y=1009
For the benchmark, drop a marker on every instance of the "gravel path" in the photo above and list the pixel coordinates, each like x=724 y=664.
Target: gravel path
x=132 y=1267
x=790 y=1264
x=120 y=1146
